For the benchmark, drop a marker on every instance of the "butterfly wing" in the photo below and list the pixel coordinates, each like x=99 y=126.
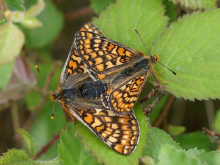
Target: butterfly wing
x=74 y=69
x=102 y=55
x=121 y=133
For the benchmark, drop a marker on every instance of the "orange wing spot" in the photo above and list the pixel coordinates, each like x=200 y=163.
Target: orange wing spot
x=139 y=82
x=82 y=34
x=119 y=148
x=123 y=120
x=88 y=51
x=114 y=50
x=111 y=46
x=115 y=93
x=114 y=126
x=100 y=128
x=104 y=135
x=96 y=45
x=89 y=118
x=76 y=53
x=121 y=51
x=70 y=71
x=98 y=60
x=90 y=63
x=83 y=29
x=134 y=128
x=109 y=64
x=119 y=96
x=112 y=139
x=125 y=127
x=86 y=57
x=101 y=76
x=93 y=55
x=89 y=35
x=125 y=142
x=96 y=123
x=100 y=67
x=72 y=64
x=108 y=119
x=101 y=53
x=128 y=53
x=96 y=49
x=52 y=97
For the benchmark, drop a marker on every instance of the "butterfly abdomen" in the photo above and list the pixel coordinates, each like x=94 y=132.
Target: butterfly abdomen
x=93 y=89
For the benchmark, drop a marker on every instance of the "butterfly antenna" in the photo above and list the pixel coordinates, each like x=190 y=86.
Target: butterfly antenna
x=36 y=67
x=150 y=53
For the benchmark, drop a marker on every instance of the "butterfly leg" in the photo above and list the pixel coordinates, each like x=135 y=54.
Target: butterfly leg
x=150 y=95
x=149 y=107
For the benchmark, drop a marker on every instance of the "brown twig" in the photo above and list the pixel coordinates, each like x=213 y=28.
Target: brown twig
x=15 y=118
x=164 y=112
x=48 y=145
x=212 y=134
x=149 y=107
x=78 y=13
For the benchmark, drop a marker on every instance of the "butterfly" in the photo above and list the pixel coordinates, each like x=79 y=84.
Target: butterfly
x=80 y=96
x=125 y=69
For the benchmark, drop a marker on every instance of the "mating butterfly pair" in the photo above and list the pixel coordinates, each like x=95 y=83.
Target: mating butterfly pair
x=99 y=85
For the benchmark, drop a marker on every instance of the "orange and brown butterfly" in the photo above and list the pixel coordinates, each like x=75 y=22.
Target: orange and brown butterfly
x=80 y=96
x=125 y=69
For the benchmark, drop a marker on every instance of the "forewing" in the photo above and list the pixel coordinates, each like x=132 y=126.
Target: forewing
x=74 y=69
x=121 y=133
x=101 y=55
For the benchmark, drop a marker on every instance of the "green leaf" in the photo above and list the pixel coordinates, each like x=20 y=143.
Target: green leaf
x=99 y=5
x=15 y=157
x=27 y=141
x=190 y=47
x=170 y=10
x=5 y=74
x=11 y=42
x=120 y=19
x=71 y=150
x=217 y=121
x=55 y=161
x=52 y=23
x=176 y=130
x=15 y=5
x=156 y=138
x=169 y=155
x=197 y=4
x=103 y=153
x=195 y=139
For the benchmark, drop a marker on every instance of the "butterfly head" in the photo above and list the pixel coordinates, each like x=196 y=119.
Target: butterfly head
x=55 y=96
x=154 y=59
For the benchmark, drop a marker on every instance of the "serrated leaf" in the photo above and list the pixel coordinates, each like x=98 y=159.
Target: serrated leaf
x=195 y=139
x=190 y=47
x=71 y=150
x=156 y=138
x=217 y=121
x=169 y=155
x=55 y=161
x=15 y=157
x=197 y=4
x=27 y=141
x=99 y=5
x=52 y=23
x=11 y=42
x=5 y=74
x=104 y=154
x=120 y=19
x=15 y=5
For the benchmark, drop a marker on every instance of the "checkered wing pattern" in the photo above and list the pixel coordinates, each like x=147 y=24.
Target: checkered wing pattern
x=102 y=55
x=121 y=133
x=74 y=68
x=123 y=98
